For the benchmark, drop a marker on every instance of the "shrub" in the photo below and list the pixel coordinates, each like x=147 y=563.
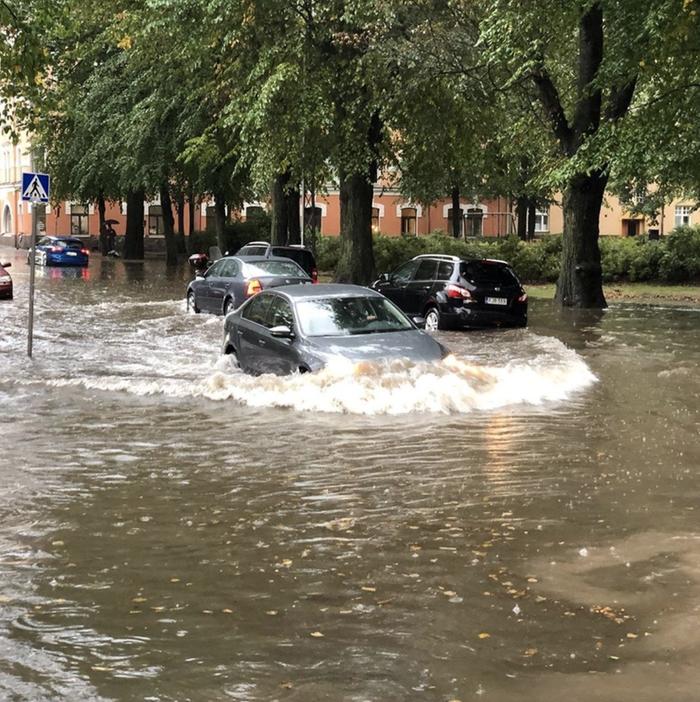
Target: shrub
x=673 y=259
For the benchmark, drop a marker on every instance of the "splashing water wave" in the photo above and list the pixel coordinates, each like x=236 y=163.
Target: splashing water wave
x=390 y=387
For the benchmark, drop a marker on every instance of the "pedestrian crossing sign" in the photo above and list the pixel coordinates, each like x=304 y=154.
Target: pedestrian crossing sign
x=35 y=187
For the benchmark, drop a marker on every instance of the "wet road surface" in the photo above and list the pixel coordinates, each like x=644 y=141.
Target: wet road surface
x=519 y=523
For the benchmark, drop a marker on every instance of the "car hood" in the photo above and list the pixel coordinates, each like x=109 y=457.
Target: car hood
x=413 y=344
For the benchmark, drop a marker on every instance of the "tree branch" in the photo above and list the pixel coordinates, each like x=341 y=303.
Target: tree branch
x=620 y=100
x=549 y=97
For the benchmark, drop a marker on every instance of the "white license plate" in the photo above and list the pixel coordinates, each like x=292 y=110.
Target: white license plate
x=71 y=253
x=496 y=300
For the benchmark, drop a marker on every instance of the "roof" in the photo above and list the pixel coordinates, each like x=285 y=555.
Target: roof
x=325 y=290
x=258 y=259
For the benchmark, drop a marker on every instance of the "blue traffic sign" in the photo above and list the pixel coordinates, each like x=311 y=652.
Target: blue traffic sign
x=35 y=187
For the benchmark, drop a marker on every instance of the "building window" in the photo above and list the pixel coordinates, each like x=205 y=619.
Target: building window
x=375 y=220
x=7 y=220
x=683 y=215
x=461 y=221
x=155 y=220
x=79 y=220
x=408 y=221
x=312 y=219
x=211 y=218
x=475 y=219
x=541 y=220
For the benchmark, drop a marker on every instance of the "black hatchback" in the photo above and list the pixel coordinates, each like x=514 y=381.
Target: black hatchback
x=451 y=292
x=299 y=254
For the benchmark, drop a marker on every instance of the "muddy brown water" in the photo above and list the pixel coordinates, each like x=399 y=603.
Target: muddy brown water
x=522 y=523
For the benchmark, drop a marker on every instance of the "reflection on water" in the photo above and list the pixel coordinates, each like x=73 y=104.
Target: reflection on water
x=175 y=530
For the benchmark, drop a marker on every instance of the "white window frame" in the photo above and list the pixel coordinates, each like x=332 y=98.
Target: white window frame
x=542 y=221
x=682 y=215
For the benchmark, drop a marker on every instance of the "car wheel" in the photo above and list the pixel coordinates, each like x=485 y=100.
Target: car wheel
x=191 y=304
x=432 y=320
x=229 y=305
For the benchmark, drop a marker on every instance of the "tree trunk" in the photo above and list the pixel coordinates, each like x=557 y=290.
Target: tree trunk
x=191 y=208
x=580 y=281
x=293 y=198
x=531 y=214
x=180 y=209
x=356 y=261
x=168 y=225
x=456 y=214
x=102 y=227
x=521 y=216
x=220 y=220
x=280 y=218
x=133 y=238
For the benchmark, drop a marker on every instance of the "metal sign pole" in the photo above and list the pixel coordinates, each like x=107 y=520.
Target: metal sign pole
x=32 y=275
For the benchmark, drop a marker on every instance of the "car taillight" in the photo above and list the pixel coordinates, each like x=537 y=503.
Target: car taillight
x=54 y=249
x=458 y=292
x=314 y=275
x=84 y=251
x=254 y=286
x=523 y=297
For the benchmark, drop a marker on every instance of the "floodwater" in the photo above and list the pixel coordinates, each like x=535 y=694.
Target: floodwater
x=520 y=522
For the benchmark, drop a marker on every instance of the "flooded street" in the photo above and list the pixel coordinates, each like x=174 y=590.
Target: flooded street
x=521 y=522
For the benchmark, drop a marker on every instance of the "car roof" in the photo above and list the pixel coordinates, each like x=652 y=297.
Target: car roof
x=458 y=259
x=325 y=290
x=258 y=259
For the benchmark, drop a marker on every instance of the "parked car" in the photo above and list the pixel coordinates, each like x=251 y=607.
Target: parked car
x=451 y=292
x=231 y=280
x=60 y=251
x=5 y=282
x=300 y=254
x=303 y=327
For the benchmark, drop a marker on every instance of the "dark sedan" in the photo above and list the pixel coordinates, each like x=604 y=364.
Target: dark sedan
x=5 y=282
x=301 y=328
x=231 y=280
x=60 y=251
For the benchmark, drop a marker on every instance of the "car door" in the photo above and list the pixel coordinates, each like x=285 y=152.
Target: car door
x=278 y=355
x=253 y=334
x=202 y=286
x=394 y=287
x=417 y=291
x=219 y=285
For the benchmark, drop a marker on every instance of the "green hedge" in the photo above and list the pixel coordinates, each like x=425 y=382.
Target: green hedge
x=673 y=259
x=236 y=234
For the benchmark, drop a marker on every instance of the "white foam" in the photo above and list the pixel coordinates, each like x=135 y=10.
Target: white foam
x=391 y=387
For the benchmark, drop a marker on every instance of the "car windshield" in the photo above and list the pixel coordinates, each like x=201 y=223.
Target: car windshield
x=343 y=316
x=267 y=268
x=487 y=273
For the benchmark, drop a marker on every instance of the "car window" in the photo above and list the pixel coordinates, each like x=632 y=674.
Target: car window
x=256 y=309
x=301 y=256
x=265 y=268
x=404 y=273
x=216 y=269
x=487 y=273
x=343 y=316
x=280 y=313
x=70 y=243
x=445 y=270
x=254 y=251
x=427 y=270
x=229 y=268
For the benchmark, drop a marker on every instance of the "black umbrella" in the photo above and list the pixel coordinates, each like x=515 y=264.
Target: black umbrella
x=112 y=221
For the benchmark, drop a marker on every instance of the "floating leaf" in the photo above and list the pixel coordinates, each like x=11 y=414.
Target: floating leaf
x=317 y=634
x=484 y=635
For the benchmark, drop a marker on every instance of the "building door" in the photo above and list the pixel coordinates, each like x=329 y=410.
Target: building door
x=631 y=227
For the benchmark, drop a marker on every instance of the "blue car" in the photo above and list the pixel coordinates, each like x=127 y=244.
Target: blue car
x=60 y=251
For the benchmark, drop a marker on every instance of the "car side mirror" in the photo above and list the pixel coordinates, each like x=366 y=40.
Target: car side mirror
x=282 y=332
x=5 y=265
x=419 y=322
x=384 y=278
